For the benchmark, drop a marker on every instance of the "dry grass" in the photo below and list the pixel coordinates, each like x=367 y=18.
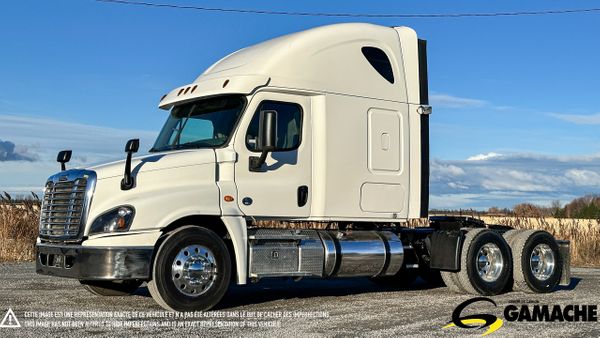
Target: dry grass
x=19 y=228
x=584 y=234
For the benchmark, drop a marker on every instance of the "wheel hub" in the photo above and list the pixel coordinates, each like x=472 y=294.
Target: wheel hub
x=489 y=262
x=542 y=262
x=194 y=270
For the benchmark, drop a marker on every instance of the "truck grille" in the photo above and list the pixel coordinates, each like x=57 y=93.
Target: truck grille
x=66 y=201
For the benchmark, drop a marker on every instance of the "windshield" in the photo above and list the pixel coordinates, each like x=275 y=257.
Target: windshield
x=206 y=123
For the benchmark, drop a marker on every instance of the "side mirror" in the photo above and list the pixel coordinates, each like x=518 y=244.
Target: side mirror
x=267 y=138
x=267 y=130
x=131 y=147
x=63 y=157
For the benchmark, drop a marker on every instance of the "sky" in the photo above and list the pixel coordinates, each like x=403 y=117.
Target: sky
x=516 y=99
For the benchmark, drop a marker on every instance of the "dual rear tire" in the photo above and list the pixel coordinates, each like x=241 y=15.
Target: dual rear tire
x=521 y=260
x=486 y=264
x=537 y=261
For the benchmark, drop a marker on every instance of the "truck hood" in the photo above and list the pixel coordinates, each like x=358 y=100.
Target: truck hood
x=156 y=161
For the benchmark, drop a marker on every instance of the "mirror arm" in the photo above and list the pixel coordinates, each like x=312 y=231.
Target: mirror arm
x=257 y=162
x=127 y=181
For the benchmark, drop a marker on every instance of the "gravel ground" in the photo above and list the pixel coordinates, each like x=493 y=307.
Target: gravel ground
x=47 y=306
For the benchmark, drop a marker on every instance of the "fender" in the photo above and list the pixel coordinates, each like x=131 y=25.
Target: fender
x=236 y=227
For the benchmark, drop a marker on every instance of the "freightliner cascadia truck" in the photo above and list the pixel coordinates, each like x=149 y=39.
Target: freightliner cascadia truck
x=327 y=127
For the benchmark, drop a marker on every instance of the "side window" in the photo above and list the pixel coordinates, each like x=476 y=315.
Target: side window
x=380 y=62
x=289 y=125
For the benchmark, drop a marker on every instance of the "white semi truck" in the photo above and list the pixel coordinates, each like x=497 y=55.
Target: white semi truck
x=328 y=126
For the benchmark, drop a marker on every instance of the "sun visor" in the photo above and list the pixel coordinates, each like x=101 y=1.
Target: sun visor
x=241 y=84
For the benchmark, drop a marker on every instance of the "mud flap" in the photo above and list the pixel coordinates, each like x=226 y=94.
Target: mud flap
x=446 y=248
x=564 y=247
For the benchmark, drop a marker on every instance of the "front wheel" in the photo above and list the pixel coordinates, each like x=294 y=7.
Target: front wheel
x=191 y=271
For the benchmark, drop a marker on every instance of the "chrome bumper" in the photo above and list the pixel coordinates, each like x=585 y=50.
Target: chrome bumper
x=93 y=263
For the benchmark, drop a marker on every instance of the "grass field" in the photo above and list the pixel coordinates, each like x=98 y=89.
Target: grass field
x=584 y=234
x=19 y=228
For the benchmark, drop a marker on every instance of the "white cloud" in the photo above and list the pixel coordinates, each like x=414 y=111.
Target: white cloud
x=450 y=101
x=591 y=119
x=453 y=201
x=583 y=177
x=89 y=143
x=483 y=157
x=457 y=185
x=445 y=170
x=45 y=137
x=510 y=179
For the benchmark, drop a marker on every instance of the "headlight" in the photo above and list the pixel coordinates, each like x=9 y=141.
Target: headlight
x=115 y=220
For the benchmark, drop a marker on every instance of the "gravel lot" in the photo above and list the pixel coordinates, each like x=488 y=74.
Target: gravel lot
x=352 y=307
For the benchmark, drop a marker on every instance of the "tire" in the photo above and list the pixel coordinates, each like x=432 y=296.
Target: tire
x=479 y=246
x=451 y=281
x=402 y=279
x=111 y=288
x=510 y=235
x=451 y=278
x=191 y=271
x=547 y=276
x=156 y=296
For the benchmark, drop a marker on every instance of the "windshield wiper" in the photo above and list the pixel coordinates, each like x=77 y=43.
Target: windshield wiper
x=188 y=145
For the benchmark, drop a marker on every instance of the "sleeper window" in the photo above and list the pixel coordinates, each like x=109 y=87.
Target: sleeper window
x=380 y=62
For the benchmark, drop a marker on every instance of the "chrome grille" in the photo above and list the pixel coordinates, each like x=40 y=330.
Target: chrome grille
x=66 y=200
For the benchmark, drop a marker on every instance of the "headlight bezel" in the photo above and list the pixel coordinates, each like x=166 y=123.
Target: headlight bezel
x=115 y=220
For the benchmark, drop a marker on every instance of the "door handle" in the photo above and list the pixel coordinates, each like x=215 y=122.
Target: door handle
x=302 y=195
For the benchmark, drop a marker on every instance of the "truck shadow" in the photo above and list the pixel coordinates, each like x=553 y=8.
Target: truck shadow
x=572 y=285
x=273 y=289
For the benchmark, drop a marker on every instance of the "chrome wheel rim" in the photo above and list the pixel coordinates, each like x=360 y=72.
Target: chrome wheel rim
x=542 y=262
x=489 y=262
x=194 y=270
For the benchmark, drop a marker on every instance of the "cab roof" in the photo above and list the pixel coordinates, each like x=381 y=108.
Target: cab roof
x=328 y=59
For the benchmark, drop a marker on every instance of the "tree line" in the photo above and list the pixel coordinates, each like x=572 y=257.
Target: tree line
x=587 y=207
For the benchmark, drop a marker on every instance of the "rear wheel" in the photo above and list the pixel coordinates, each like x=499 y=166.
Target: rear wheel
x=537 y=262
x=191 y=271
x=486 y=263
x=510 y=235
x=451 y=281
x=451 y=278
x=111 y=288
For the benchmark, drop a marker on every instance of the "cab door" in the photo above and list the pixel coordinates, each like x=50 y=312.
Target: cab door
x=281 y=187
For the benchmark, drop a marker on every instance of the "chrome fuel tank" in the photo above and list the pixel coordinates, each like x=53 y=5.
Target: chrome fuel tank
x=324 y=253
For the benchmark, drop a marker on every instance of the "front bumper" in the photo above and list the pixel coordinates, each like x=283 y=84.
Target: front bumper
x=93 y=263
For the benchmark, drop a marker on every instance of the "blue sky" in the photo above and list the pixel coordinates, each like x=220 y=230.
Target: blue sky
x=516 y=105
